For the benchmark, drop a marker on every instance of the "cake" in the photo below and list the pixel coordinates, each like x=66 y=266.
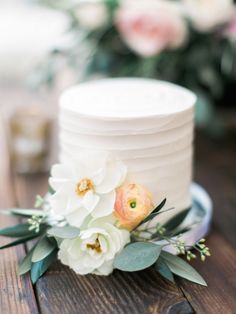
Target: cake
x=148 y=124
x=125 y=147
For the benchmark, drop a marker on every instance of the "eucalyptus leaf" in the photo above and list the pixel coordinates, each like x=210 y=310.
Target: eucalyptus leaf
x=24 y=212
x=59 y=241
x=175 y=221
x=154 y=212
x=19 y=241
x=137 y=256
x=163 y=269
x=16 y=231
x=39 y=268
x=181 y=268
x=50 y=190
x=42 y=249
x=25 y=264
x=66 y=232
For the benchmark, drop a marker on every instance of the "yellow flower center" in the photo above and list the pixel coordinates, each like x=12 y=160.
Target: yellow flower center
x=84 y=186
x=95 y=246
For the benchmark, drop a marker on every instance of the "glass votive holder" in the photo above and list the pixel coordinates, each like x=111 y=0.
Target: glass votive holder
x=29 y=138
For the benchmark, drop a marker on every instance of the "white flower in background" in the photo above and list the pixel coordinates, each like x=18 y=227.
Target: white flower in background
x=95 y=249
x=85 y=187
x=91 y=14
x=150 y=26
x=208 y=14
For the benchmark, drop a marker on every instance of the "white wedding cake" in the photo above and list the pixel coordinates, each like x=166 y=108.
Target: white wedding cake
x=148 y=124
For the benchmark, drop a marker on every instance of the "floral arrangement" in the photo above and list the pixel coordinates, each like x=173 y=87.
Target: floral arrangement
x=189 y=42
x=93 y=220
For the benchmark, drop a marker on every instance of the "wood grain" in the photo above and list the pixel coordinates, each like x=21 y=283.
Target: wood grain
x=219 y=271
x=215 y=169
x=121 y=293
x=16 y=293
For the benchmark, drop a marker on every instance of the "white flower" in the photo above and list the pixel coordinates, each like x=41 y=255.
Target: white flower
x=208 y=14
x=85 y=187
x=91 y=14
x=95 y=249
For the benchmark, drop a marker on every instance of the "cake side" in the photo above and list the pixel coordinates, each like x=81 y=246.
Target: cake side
x=156 y=146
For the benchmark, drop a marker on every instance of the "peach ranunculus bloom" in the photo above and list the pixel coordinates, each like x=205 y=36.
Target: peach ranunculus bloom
x=150 y=26
x=133 y=204
x=206 y=15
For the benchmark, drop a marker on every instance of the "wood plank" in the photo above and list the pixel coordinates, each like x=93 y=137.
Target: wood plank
x=61 y=290
x=16 y=293
x=121 y=293
x=215 y=170
x=219 y=271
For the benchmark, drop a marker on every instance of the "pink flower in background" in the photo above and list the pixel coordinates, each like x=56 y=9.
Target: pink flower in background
x=230 y=29
x=150 y=26
x=133 y=204
x=206 y=15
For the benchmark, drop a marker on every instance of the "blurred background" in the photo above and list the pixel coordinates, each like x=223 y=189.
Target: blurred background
x=47 y=45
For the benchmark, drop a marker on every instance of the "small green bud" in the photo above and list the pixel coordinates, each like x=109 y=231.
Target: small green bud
x=203 y=258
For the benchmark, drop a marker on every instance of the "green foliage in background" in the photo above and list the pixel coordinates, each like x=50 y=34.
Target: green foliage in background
x=206 y=64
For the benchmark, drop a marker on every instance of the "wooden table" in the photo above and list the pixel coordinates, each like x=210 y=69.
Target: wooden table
x=62 y=291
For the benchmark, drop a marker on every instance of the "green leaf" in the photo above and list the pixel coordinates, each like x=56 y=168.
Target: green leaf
x=160 y=206
x=137 y=256
x=175 y=221
x=180 y=231
x=25 y=264
x=16 y=231
x=50 y=190
x=42 y=249
x=162 y=268
x=24 y=212
x=19 y=241
x=59 y=241
x=181 y=268
x=66 y=232
x=204 y=111
x=39 y=268
x=39 y=201
x=154 y=212
x=21 y=230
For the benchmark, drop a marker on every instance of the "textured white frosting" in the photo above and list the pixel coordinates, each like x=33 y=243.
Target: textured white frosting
x=148 y=124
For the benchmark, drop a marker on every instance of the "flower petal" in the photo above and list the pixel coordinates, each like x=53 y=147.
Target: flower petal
x=105 y=205
x=90 y=163
x=105 y=269
x=90 y=200
x=58 y=202
x=87 y=233
x=74 y=202
x=60 y=183
x=77 y=217
x=62 y=171
x=99 y=176
x=115 y=175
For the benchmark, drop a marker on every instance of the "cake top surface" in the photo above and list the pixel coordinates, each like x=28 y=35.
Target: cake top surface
x=126 y=98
